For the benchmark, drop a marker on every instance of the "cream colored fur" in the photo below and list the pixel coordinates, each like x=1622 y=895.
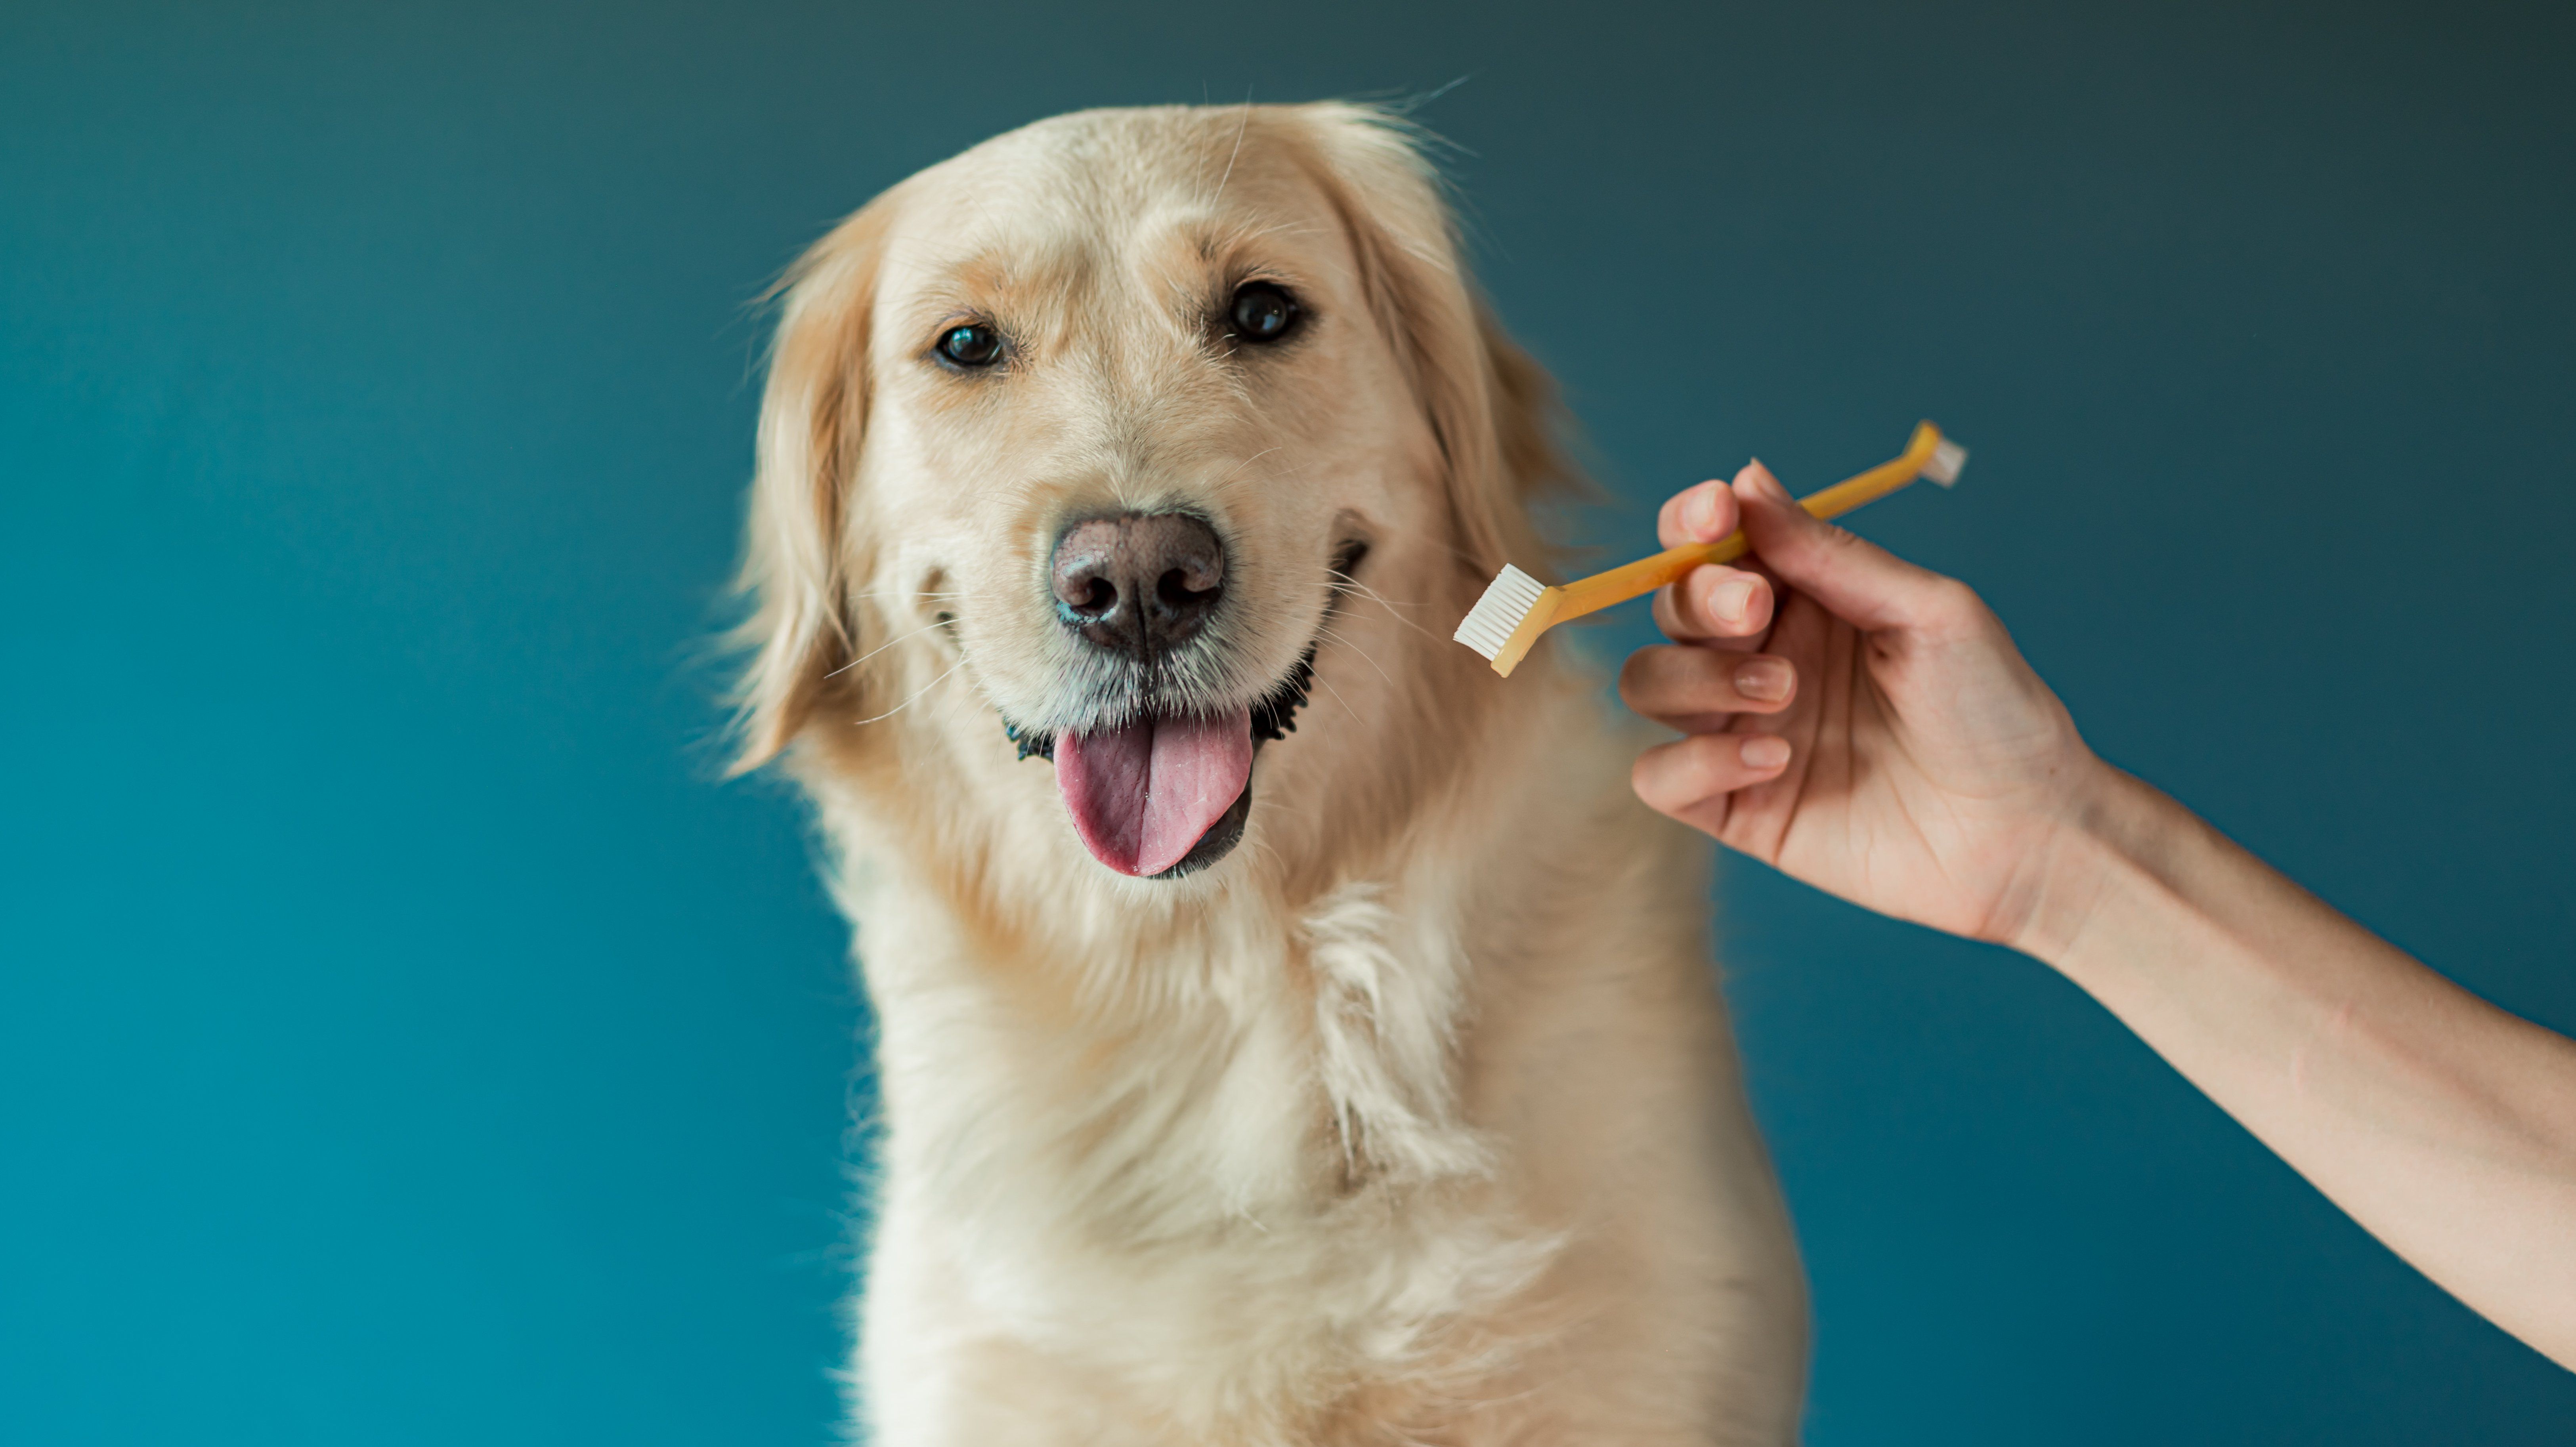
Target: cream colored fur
x=1415 y=1119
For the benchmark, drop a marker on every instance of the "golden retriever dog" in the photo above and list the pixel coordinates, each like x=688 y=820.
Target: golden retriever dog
x=1288 y=1031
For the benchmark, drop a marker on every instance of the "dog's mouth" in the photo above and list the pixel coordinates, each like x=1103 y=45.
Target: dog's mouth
x=1146 y=794
x=1167 y=792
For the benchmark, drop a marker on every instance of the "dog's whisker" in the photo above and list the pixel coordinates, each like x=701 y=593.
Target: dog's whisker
x=1240 y=126
x=1271 y=231
x=1363 y=588
x=880 y=648
x=1232 y=472
x=1391 y=605
x=915 y=698
x=1337 y=698
x=1346 y=642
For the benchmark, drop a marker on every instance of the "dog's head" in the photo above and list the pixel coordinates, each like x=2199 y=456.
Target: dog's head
x=1098 y=447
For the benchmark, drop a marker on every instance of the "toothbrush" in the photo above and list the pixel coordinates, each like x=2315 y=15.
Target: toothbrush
x=1517 y=608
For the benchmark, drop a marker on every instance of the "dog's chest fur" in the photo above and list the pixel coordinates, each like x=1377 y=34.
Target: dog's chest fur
x=1241 y=1140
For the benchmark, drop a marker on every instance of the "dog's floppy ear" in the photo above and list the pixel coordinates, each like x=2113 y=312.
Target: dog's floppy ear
x=1491 y=407
x=802 y=631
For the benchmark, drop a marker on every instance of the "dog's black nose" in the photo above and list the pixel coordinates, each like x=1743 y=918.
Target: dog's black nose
x=1141 y=584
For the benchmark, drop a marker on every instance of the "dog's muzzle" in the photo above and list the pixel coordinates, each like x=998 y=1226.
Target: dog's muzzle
x=1161 y=785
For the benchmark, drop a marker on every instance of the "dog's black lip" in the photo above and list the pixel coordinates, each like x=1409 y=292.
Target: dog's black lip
x=1030 y=741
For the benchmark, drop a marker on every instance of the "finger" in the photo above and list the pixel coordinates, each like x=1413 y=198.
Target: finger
x=1757 y=819
x=1686 y=777
x=1715 y=602
x=1861 y=583
x=1701 y=514
x=1699 y=690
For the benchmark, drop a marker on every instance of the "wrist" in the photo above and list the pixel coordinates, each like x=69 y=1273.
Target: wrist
x=2114 y=831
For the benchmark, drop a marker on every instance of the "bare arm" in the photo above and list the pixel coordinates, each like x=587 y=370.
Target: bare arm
x=1868 y=727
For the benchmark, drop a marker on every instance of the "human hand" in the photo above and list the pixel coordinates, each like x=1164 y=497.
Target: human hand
x=1868 y=727
x=1855 y=721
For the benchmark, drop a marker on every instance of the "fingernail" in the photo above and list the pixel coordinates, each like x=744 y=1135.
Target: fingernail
x=1763 y=678
x=1699 y=510
x=1732 y=601
x=1764 y=751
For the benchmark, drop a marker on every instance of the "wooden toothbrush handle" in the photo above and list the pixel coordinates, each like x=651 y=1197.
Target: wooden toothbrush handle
x=1591 y=595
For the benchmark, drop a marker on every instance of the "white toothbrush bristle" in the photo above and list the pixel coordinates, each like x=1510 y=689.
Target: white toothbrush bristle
x=1506 y=602
x=1947 y=458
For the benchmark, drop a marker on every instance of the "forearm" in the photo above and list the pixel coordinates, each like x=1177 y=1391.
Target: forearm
x=2445 y=1126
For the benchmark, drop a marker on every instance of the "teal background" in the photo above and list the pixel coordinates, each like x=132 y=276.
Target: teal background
x=404 y=1039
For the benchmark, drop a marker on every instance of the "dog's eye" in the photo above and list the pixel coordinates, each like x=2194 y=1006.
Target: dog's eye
x=972 y=345
x=1262 y=311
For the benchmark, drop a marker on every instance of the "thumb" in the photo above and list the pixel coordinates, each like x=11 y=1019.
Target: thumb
x=1858 y=581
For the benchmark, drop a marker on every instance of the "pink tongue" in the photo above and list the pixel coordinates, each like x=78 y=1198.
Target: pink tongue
x=1144 y=795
